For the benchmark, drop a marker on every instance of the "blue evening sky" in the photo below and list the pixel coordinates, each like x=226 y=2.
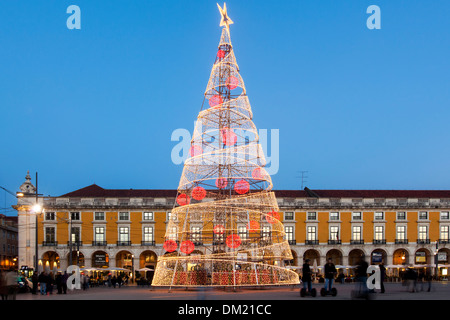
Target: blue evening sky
x=356 y=108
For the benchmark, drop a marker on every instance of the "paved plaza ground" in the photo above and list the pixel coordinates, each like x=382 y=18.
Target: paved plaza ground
x=394 y=291
x=244 y=303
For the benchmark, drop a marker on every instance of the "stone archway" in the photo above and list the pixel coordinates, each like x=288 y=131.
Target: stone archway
x=335 y=255
x=50 y=261
x=293 y=261
x=77 y=259
x=400 y=257
x=148 y=259
x=422 y=256
x=377 y=256
x=100 y=259
x=355 y=256
x=312 y=255
x=124 y=259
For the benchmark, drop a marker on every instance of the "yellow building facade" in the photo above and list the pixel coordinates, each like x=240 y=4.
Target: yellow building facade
x=103 y=228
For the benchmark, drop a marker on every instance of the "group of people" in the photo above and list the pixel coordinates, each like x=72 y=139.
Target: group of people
x=46 y=282
x=330 y=273
x=414 y=281
x=113 y=281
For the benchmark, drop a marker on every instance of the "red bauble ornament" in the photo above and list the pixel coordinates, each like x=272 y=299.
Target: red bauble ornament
x=198 y=193
x=215 y=100
x=257 y=174
x=242 y=187
x=221 y=183
x=170 y=245
x=183 y=199
x=219 y=229
x=221 y=54
x=229 y=138
x=273 y=217
x=233 y=241
x=195 y=150
x=187 y=246
x=253 y=225
x=232 y=82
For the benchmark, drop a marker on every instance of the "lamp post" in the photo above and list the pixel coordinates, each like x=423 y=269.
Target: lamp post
x=436 y=260
x=37 y=209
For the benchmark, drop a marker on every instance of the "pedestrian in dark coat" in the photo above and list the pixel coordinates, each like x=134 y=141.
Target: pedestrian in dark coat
x=35 y=281
x=330 y=273
x=50 y=282
x=382 y=276
x=58 y=281
x=64 y=282
x=306 y=275
x=43 y=283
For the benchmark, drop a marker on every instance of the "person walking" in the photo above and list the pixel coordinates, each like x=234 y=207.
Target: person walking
x=50 y=282
x=64 y=282
x=58 y=282
x=35 y=281
x=382 y=276
x=361 y=277
x=114 y=281
x=428 y=278
x=329 y=273
x=306 y=275
x=43 y=283
x=108 y=280
x=3 y=287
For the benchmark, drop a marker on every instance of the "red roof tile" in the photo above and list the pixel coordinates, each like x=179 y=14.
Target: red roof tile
x=95 y=191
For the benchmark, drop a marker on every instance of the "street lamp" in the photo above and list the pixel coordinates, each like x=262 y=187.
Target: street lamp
x=436 y=260
x=37 y=209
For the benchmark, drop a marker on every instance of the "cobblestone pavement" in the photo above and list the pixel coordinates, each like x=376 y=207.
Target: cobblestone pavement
x=394 y=291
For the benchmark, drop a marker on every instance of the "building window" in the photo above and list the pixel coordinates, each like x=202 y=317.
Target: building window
x=401 y=233
x=401 y=215
x=172 y=233
x=289 y=231
x=356 y=233
x=124 y=216
x=334 y=233
x=99 y=236
x=148 y=235
x=379 y=233
x=311 y=234
x=242 y=232
x=423 y=233
x=312 y=216
x=334 y=216
x=50 y=216
x=356 y=216
x=423 y=215
x=266 y=233
x=50 y=235
x=218 y=237
x=124 y=235
x=99 y=216
x=148 y=216
x=196 y=235
x=76 y=234
x=445 y=215
x=171 y=216
x=289 y=216
x=75 y=216
x=443 y=236
x=379 y=215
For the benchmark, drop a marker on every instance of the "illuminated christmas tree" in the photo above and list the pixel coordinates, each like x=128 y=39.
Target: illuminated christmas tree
x=225 y=229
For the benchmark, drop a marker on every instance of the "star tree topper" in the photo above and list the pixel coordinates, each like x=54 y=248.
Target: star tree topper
x=226 y=21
